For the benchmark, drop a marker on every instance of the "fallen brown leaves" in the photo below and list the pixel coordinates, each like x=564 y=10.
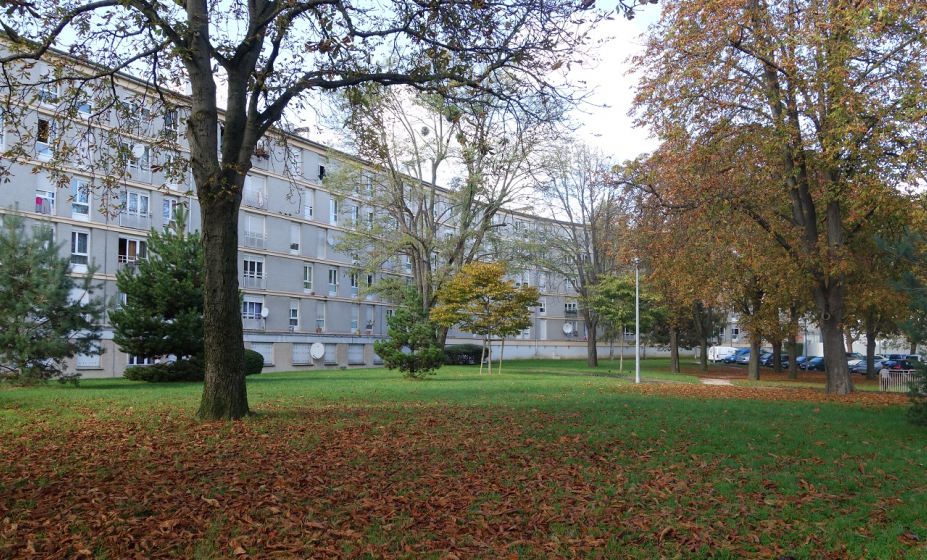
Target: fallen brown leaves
x=794 y=394
x=405 y=481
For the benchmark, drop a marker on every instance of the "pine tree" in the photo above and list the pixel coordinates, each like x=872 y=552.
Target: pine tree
x=412 y=346
x=162 y=314
x=46 y=315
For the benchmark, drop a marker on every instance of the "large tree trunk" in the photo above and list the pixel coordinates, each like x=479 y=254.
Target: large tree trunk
x=872 y=332
x=830 y=311
x=777 y=356
x=793 y=357
x=224 y=391
x=674 y=349
x=753 y=367
x=703 y=354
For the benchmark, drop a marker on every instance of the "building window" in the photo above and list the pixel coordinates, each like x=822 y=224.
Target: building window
x=369 y=281
x=294 y=162
x=171 y=123
x=80 y=248
x=355 y=212
x=251 y=313
x=140 y=361
x=308 y=204
x=48 y=94
x=80 y=199
x=570 y=308
x=407 y=263
x=135 y=210
x=542 y=306
x=45 y=138
x=320 y=317
x=333 y=211
x=254 y=193
x=307 y=277
x=138 y=156
x=294 y=238
x=354 y=285
x=131 y=251
x=294 y=315
x=45 y=202
x=321 y=172
x=355 y=318
x=254 y=231
x=168 y=210
x=332 y=281
x=253 y=272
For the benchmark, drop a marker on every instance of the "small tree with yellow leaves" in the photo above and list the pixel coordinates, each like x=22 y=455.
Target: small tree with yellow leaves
x=478 y=300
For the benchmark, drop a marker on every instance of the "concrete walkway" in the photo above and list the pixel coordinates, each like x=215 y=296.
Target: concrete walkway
x=711 y=381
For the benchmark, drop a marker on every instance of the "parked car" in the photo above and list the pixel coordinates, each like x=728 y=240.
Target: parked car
x=814 y=364
x=718 y=353
x=732 y=359
x=913 y=358
x=808 y=360
x=766 y=360
x=744 y=358
x=897 y=364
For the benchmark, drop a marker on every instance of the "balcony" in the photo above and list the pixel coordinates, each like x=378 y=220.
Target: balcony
x=250 y=324
x=135 y=220
x=253 y=281
x=124 y=262
x=255 y=239
x=570 y=313
x=254 y=199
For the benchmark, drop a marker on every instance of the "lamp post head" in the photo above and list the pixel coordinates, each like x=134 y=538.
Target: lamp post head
x=636 y=261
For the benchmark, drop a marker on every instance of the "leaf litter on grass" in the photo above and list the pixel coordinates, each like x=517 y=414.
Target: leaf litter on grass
x=439 y=480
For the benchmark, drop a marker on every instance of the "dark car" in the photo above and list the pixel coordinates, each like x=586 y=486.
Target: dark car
x=766 y=360
x=732 y=359
x=813 y=364
x=896 y=365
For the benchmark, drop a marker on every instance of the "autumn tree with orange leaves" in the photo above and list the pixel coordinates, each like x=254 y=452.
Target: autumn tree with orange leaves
x=808 y=114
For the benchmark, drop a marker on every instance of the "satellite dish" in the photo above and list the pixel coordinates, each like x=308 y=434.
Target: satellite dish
x=317 y=350
x=265 y=312
x=567 y=328
x=331 y=239
x=138 y=151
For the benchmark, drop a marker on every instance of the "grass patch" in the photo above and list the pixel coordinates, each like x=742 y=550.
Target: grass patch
x=535 y=462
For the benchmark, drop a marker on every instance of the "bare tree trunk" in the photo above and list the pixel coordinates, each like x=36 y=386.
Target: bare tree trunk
x=777 y=356
x=501 y=352
x=483 y=355
x=674 y=349
x=592 y=350
x=753 y=367
x=793 y=357
x=872 y=332
x=848 y=338
x=621 y=357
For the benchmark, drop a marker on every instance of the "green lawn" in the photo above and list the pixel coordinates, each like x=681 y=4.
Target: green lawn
x=531 y=463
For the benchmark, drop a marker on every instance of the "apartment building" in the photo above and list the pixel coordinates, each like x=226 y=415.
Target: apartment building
x=297 y=288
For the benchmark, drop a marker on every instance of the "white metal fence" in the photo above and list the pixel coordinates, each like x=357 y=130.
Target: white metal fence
x=896 y=381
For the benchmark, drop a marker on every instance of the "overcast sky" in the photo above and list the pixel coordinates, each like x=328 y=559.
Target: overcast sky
x=607 y=125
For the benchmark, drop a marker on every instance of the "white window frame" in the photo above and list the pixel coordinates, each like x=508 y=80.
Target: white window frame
x=254 y=273
x=49 y=94
x=80 y=259
x=542 y=306
x=132 y=360
x=295 y=237
x=308 y=204
x=307 y=278
x=168 y=207
x=320 y=316
x=294 y=315
x=355 y=319
x=333 y=211
x=45 y=194
x=45 y=148
x=141 y=250
x=255 y=230
x=251 y=307
x=355 y=284
x=332 y=281
x=80 y=199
